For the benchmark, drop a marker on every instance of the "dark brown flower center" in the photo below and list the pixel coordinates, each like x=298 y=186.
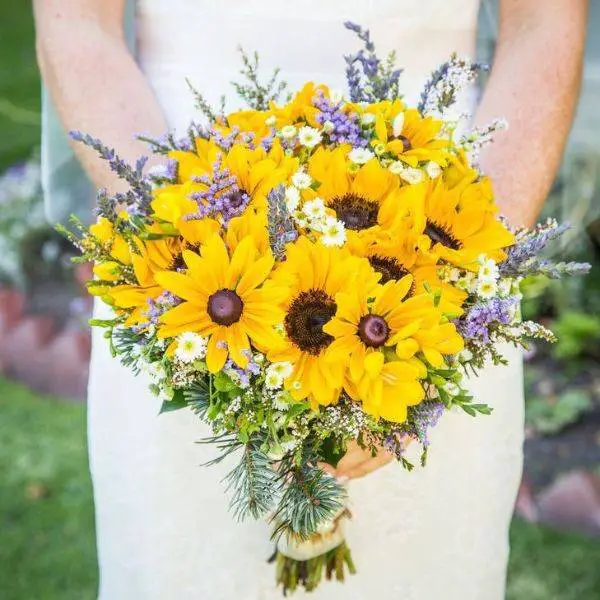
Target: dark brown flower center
x=373 y=331
x=355 y=212
x=405 y=142
x=439 y=234
x=225 y=307
x=306 y=317
x=178 y=264
x=390 y=269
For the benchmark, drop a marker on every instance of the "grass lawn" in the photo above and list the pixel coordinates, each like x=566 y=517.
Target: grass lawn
x=19 y=84
x=47 y=549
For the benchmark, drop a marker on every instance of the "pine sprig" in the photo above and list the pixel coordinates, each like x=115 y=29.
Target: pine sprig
x=310 y=498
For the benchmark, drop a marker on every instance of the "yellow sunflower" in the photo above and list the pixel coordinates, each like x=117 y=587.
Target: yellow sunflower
x=151 y=257
x=454 y=234
x=224 y=299
x=362 y=198
x=313 y=275
x=412 y=138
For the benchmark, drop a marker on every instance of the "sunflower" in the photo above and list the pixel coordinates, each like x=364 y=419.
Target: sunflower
x=225 y=300
x=392 y=254
x=454 y=234
x=362 y=198
x=414 y=139
x=151 y=257
x=313 y=275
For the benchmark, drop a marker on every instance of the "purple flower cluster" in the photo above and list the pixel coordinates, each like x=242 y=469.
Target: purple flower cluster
x=424 y=416
x=223 y=195
x=243 y=376
x=345 y=128
x=374 y=81
x=159 y=306
x=475 y=324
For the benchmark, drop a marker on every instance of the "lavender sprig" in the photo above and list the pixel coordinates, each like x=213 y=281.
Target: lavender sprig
x=280 y=224
x=341 y=128
x=375 y=80
x=524 y=257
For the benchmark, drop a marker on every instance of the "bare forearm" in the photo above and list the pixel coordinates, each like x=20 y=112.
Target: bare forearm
x=98 y=89
x=534 y=85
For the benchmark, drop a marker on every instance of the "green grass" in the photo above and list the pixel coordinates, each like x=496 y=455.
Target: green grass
x=19 y=84
x=47 y=549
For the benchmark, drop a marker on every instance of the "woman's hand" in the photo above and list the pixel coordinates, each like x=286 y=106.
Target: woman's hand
x=358 y=463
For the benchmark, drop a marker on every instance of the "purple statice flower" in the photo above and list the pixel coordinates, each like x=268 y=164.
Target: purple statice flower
x=222 y=196
x=477 y=321
x=159 y=306
x=424 y=416
x=344 y=128
x=225 y=142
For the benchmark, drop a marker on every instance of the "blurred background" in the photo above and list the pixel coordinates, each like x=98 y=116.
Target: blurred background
x=47 y=547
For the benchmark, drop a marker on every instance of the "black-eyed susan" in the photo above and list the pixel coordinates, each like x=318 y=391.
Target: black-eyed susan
x=362 y=197
x=313 y=275
x=454 y=234
x=224 y=299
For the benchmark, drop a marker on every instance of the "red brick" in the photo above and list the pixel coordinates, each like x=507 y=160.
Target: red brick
x=12 y=305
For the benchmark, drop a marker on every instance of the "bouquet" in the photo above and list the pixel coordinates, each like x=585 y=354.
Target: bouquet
x=309 y=273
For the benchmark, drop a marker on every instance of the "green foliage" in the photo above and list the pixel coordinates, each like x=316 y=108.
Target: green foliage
x=549 y=416
x=578 y=334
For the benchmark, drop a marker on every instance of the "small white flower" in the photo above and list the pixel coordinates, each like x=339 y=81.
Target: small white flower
x=411 y=175
x=433 y=169
x=336 y=96
x=397 y=167
x=465 y=355
x=328 y=126
x=288 y=132
x=360 y=156
x=452 y=389
x=505 y=287
x=309 y=136
x=454 y=274
x=314 y=209
x=398 y=124
x=280 y=402
x=296 y=385
x=301 y=180
x=334 y=233
x=488 y=271
x=270 y=121
x=273 y=380
x=292 y=198
x=190 y=347
x=284 y=368
x=487 y=289
x=367 y=118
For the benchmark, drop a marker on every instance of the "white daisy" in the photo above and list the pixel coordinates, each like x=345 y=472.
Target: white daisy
x=368 y=119
x=190 y=347
x=360 y=156
x=328 y=126
x=412 y=175
x=309 y=136
x=433 y=169
x=270 y=121
x=273 y=380
x=283 y=369
x=314 y=209
x=292 y=198
x=396 y=167
x=487 y=289
x=488 y=271
x=301 y=180
x=334 y=233
x=288 y=132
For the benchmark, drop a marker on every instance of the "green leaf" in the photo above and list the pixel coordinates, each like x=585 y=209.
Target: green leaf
x=223 y=383
x=178 y=401
x=332 y=450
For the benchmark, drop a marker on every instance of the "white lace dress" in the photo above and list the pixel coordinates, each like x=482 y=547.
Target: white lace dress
x=163 y=528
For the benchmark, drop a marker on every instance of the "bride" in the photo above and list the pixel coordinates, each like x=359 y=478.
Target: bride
x=163 y=528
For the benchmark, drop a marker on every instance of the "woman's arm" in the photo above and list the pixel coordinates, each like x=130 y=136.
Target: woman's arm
x=92 y=78
x=534 y=85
